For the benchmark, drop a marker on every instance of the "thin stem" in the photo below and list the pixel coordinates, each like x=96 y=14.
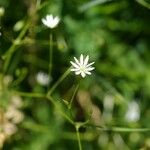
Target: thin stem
x=39 y=95
x=11 y=50
x=26 y=94
x=66 y=73
x=72 y=98
x=50 y=53
x=78 y=137
x=38 y=3
x=119 y=129
x=144 y=3
x=59 y=109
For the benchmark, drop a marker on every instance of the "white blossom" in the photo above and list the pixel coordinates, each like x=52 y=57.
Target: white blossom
x=133 y=112
x=14 y=115
x=16 y=101
x=82 y=66
x=9 y=129
x=43 y=78
x=50 y=21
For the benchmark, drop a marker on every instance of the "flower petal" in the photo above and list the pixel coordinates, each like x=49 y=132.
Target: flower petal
x=76 y=60
x=90 y=68
x=74 y=64
x=44 y=21
x=83 y=74
x=81 y=59
x=75 y=69
x=87 y=72
x=56 y=20
x=90 y=64
x=86 y=60
x=77 y=72
x=49 y=18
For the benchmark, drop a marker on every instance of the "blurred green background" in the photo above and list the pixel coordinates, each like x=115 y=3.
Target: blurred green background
x=116 y=35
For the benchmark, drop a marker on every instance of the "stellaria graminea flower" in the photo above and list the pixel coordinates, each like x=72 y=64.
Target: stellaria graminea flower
x=81 y=66
x=50 y=21
x=133 y=112
x=43 y=78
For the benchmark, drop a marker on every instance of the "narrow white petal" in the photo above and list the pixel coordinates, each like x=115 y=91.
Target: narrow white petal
x=75 y=69
x=76 y=60
x=74 y=64
x=90 y=64
x=87 y=72
x=90 y=68
x=56 y=20
x=83 y=74
x=81 y=59
x=49 y=17
x=44 y=22
x=86 y=60
x=77 y=72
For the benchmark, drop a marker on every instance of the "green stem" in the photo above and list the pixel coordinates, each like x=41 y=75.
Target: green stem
x=39 y=95
x=78 y=137
x=38 y=3
x=120 y=129
x=59 y=109
x=12 y=49
x=66 y=73
x=25 y=94
x=50 y=53
x=144 y=3
x=70 y=104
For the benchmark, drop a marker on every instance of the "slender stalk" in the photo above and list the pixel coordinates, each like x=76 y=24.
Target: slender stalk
x=12 y=49
x=78 y=137
x=120 y=129
x=144 y=3
x=50 y=53
x=39 y=95
x=26 y=94
x=70 y=104
x=59 y=109
x=66 y=73
x=38 y=3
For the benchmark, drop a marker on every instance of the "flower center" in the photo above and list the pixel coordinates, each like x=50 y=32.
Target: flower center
x=82 y=69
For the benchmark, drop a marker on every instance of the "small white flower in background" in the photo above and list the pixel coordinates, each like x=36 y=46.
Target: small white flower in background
x=14 y=115
x=133 y=112
x=9 y=118
x=9 y=129
x=43 y=78
x=50 y=21
x=82 y=66
x=16 y=101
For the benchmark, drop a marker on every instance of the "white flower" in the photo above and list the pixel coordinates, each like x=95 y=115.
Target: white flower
x=43 y=78
x=14 y=115
x=133 y=112
x=9 y=129
x=81 y=66
x=16 y=101
x=50 y=21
